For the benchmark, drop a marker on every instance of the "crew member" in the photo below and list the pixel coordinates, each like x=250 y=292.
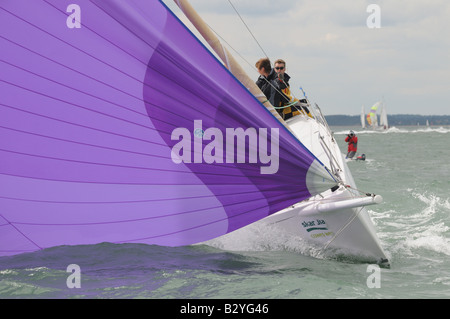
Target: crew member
x=269 y=83
x=291 y=106
x=266 y=75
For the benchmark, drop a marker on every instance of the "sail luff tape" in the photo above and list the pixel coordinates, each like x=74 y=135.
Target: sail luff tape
x=227 y=61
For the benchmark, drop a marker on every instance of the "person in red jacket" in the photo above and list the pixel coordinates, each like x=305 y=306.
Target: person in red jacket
x=352 y=141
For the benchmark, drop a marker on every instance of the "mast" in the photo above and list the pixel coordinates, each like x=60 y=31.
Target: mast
x=226 y=57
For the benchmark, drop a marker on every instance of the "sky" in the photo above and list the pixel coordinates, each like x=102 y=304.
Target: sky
x=341 y=63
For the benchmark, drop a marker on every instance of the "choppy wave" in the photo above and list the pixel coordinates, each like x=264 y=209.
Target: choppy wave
x=432 y=232
x=421 y=233
x=408 y=130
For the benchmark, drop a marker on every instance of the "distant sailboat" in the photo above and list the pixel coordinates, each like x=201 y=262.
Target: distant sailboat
x=384 y=124
x=372 y=117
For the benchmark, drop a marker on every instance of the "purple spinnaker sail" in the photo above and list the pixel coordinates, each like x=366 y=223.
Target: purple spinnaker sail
x=90 y=98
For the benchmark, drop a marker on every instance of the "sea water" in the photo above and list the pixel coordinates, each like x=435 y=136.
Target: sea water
x=408 y=166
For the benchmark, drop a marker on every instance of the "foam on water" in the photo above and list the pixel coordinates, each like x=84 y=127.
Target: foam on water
x=432 y=230
x=423 y=232
x=264 y=237
x=442 y=130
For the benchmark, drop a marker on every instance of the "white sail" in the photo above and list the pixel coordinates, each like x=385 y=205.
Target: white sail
x=383 y=117
x=363 y=118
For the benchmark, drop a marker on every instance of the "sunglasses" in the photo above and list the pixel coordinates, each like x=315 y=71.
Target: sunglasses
x=279 y=68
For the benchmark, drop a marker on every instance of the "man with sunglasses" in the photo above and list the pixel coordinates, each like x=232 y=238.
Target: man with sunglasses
x=290 y=108
x=283 y=79
x=280 y=68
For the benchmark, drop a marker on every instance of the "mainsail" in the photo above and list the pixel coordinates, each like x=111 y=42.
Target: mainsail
x=383 y=117
x=115 y=127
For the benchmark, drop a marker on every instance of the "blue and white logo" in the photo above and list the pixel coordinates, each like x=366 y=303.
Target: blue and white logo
x=198 y=132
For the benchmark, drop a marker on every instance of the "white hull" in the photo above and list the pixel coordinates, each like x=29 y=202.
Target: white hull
x=345 y=230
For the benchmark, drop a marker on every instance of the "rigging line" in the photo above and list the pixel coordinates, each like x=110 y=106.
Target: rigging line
x=359 y=191
x=251 y=33
x=245 y=60
x=240 y=55
x=351 y=219
x=333 y=162
x=232 y=48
